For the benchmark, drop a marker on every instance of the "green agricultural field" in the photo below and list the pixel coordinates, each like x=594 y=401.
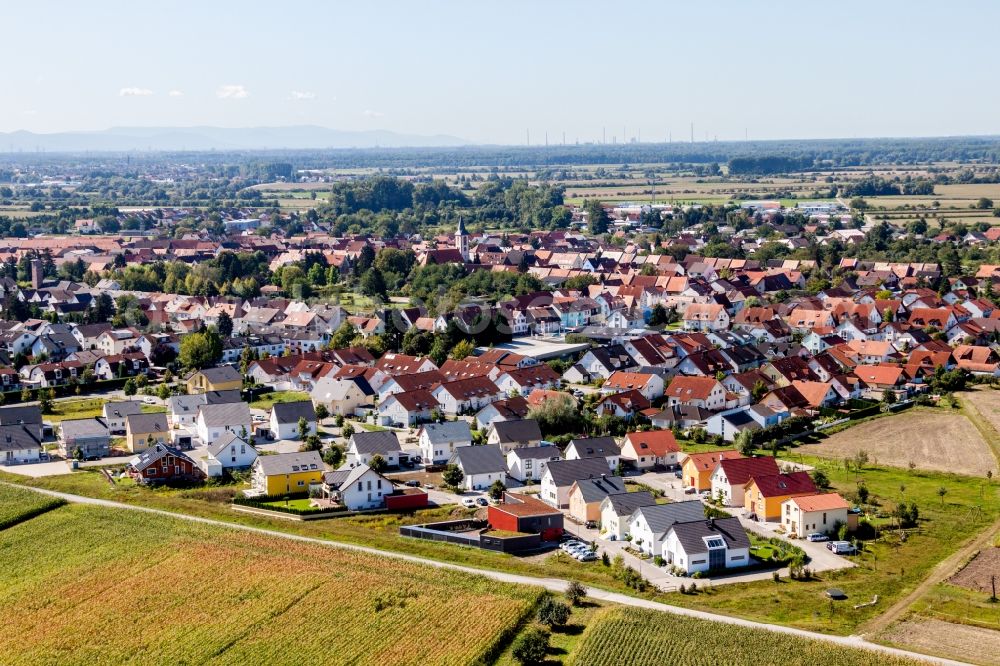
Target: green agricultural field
x=640 y=637
x=114 y=586
x=18 y=504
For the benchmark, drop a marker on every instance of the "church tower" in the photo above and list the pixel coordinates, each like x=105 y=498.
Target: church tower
x=462 y=240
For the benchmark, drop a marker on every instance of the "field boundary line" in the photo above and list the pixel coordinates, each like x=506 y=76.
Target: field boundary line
x=557 y=585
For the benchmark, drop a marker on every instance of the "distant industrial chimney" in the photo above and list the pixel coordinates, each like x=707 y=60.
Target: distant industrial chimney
x=37 y=275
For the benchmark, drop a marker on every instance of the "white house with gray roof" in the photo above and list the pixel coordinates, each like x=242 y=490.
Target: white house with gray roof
x=648 y=525
x=708 y=544
x=285 y=417
x=438 y=441
x=363 y=446
x=482 y=466
x=115 y=413
x=618 y=508
x=357 y=488
x=529 y=464
x=560 y=475
x=216 y=420
x=90 y=436
x=595 y=447
x=229 y=452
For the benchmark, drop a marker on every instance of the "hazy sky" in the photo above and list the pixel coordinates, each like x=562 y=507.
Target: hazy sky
x=487 y=71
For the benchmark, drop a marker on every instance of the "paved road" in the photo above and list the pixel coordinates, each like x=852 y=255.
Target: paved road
x=554 y=584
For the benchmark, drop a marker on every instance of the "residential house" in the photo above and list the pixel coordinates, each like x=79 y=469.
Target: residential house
x=438 y=441
x=559 y=476
x=529 y=464
x=700 y=546
x=514 y=434
x=697 y=468
x=616 y=509
x=586 y=495
x=19 y=444
x=215 y=420
x=229 y=453
x=763 y=495
x=90 y=436
x=807 y=514
x=482 y=466
x=705 y=317
x=358 y=488
x=650 y=449
x=29 y=416
x=363 y=446
x=286 y=474
x=466 y=395
x=648 y=524
x=145 y=430
x=407 y=408
x=702 y=392
x=284 y=419
x=115 y=412
x=594 y=447
x=732 y=474
x=650 y=385
x=502 y=410
x=160 y=463
x=343 y=397
x=223 y=378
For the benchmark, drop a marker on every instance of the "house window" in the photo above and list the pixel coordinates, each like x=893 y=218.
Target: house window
x=301 y=483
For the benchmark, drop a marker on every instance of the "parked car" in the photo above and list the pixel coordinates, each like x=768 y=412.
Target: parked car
x=690 y=491
x=469 y=503
x=817 y=536
x=591 y=525
x=429 y=486
x=679 y=474
x=842 y=547
x=413 y=483
x=588 y=557
x=481 y=501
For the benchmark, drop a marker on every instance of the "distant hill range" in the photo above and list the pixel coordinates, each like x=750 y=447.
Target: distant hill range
x=300 y=137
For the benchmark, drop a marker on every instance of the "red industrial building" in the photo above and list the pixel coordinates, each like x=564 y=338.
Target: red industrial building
x=406 y=499
x=526 y=514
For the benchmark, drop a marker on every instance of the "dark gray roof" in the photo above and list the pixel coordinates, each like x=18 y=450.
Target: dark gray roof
x=660 y=517
x=219 y=445
x=479 y=459
x=220 y=397
x=565 y=472
x=289 y=463
x=81 y=428
x=17 y=437
x=382 y=441
x=119 y=410
x=291 y=412
x=594 y=490
x=186 y=404
x=592 y=447
x=692 y=535
x=154 y=453
x=449 y=431
x=16 y=415
x=537 y=453
x=226 y=413
x=224 y=373
x=522 y=430
x=624 y=504
x=146 y=422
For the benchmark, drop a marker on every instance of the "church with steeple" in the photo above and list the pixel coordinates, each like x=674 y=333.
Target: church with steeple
x=462 y=240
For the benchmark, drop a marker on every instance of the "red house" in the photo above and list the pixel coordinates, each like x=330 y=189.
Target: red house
x=523 y=513
x=163 y=464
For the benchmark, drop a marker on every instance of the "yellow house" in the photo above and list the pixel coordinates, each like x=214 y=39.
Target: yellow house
x=697 y=468
x=586 y=495
x=224 y=378
x=763 y=495
x=145 y=430
x=286 y=473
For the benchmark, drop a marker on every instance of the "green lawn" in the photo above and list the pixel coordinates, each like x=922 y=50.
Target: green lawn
x=267 y=400
x=77 y=408
x=300 y=504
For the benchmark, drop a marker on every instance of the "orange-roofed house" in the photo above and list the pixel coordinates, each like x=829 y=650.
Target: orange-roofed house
x=697 y=468
x=818 y=394
x=977 y=360
x=808 y=514
x=651 y=448
x=763 y=495
x=880 y=378
x=704 y=392
x=706 y=317
x=649 y=385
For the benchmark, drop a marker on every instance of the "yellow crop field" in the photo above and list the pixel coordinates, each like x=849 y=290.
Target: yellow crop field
x=84 y=585
x=642 y=637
